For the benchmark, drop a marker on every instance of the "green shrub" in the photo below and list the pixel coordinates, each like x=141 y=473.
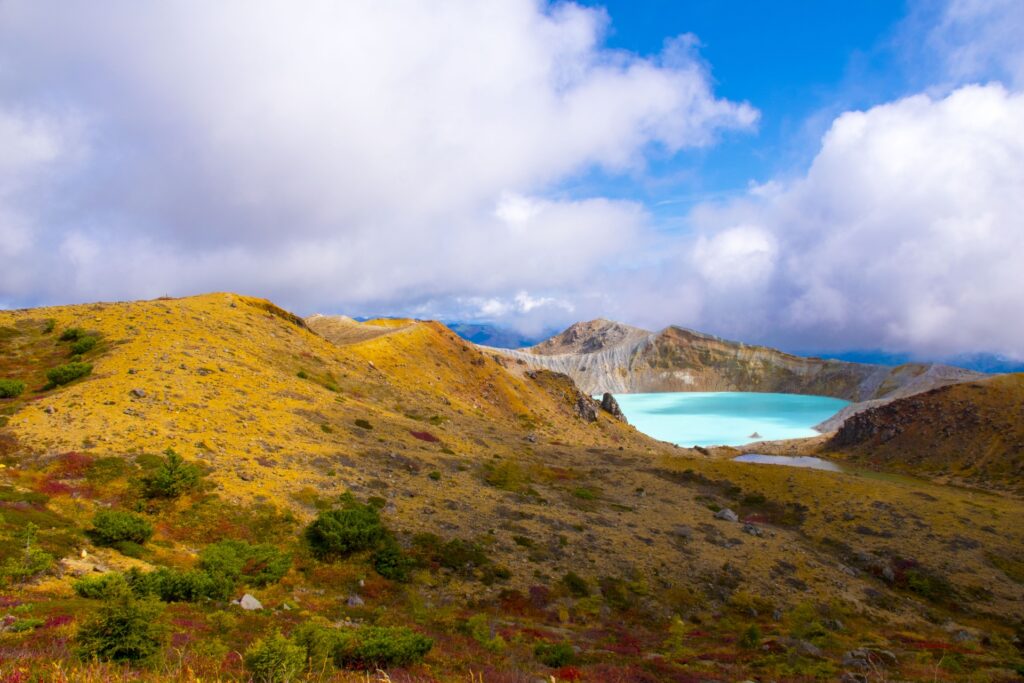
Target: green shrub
x=274 y=660
x=237 y=561
x=26 y=624
x=172 y=477
x=101 y=587
x=301 y=374
x=576 y=585
x=49 y=325
x=584 y=494
x=319 y=642
x=614 y=592
x=62 y=374
x=111 y=527
x=83 y=345
x=30 y=562
x=336 y=533
x=463 y=556
x=554 y=654
x=480 y=629
x=72 y=334
x=435 y=475
x=363 y=424
x=376 y=647
x=125 y=629
x=750 y=638
x=390 y=562
x=9 y=388
x=175 y=585
x=456 y=554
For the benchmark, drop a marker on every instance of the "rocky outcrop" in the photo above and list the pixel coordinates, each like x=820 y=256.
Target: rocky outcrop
x=611 y=406
x=584 y=408
x=606 y=357
x=971 y=431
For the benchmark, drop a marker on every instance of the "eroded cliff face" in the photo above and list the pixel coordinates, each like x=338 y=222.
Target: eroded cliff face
x=602 y=356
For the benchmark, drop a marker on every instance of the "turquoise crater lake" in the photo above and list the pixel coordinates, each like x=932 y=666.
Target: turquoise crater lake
x=726 y=418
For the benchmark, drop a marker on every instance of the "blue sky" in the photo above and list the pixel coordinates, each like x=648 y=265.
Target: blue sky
x=799 y=63
x=823 y=175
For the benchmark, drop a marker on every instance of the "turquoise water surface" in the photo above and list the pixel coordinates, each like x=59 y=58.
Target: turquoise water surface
x=726 y=418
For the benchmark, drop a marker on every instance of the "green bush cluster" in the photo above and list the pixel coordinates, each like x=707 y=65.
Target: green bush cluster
x=63 y=374
x=83 y=345
x=72 y=334
x=378 y=647
x=9 y=388
x=30 y=562
x=576 y=585
x=274 y=660
x=124 y=629
x=337 y=533
x=176 y=585
x=239 y=562
x=100 y=587
x=222 y=568
x=171 y=478
x=390 y=562
x=318 y=647
x=111 y=527
x=455 y=554
x=554 y=654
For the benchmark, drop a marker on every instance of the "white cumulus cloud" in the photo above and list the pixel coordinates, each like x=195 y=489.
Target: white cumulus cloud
x=907 y=232
x=337 y=154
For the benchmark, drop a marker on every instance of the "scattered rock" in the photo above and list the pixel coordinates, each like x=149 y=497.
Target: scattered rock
x=869 y=658
x=727 y=515
x=245 y=476
x=611 y=406
x=355 y=601
x=752 y=530
x=850 y=677
x=138 y=393
x=248 y=602
x=531 y=438
x=833 y=624
x=808 y=649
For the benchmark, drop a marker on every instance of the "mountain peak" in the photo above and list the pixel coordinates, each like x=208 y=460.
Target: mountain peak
x=589 y=336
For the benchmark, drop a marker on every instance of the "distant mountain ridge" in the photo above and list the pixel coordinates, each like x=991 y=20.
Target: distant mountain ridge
x=603 y=355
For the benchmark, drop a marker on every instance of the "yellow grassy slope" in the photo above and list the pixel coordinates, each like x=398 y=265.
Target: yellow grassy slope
x=220 y=374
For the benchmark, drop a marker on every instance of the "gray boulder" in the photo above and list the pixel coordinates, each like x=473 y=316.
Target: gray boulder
x=727 y=515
